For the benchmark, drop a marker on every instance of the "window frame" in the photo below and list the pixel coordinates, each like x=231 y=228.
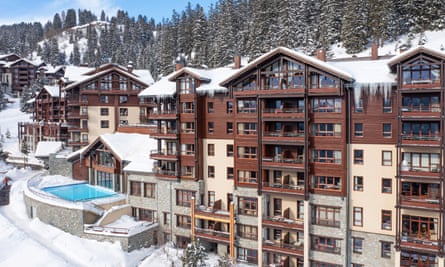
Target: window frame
x=386 y=161
x=358 y=186
x=357 y=220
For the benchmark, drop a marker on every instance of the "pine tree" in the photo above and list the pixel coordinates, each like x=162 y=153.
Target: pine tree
x=57 y=23
x=354 y=33
x=194 y=255
x=71 y=19
x=76 y=55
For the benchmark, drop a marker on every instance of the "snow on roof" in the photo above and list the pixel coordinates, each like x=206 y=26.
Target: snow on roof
x=53 y=90
x=297 y=55
x=367 y=71
x=76 y=73
x=45 y=148
x=415 y=51
x=140 y=166
x=11 y=63
x=129 y=146
x=144 y=75
x=211 y=78
x=163 y=87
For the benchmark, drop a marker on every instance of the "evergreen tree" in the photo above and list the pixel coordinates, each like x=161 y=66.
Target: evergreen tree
x=76 y=55
x=102 y=16
x=194 y=255
x=57 y=23
x=71 y=19
x=354 y=34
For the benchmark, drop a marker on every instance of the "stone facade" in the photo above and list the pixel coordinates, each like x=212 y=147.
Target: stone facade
x=60 y=166
x=372 y=249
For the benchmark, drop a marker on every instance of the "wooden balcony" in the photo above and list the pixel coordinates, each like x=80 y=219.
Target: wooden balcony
x=415 y=242
x=420 y=140
x=72 y=142
x=418 y=172
x=421 y=111
x=419 y=202
x=283 y=188
x=273 y=137
x=213 y=235
x=163 y=154
x=287 y=248
x=162 y=115
x=165 y=174
x=163 y=133
x=283 y=222
x=279 y=161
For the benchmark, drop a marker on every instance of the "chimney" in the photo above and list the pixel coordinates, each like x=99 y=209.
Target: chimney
x=130 y=66
x=374 y=51
x=321 y=54
x=178 y=66
x=237 y=62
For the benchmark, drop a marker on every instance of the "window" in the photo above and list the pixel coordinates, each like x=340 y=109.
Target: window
x=247 y=177
x=385 y=249
x=358 y=156
x=387 y=105
x=358 y=107
x=229 y=107
x=210 y=107
x=387 y=158
x=386 y=219
x=326 y=244
x=104 y=124
x=326 y=216
x=184 y=197
x=103 y=99
x=84 y=137
x=246 y=106
x=358 y=183
x=187 y=85
x=135 y=188
x=326 y=183
x=230 y=173
x=105 y=179
x=123 y=112
x=421 y=162
x=326 y=105
x=419 y=227
x=210 y=127
x=104 y=111
x=326 y=156
x=357 y=245
x=229 y=128
x=358 y=216
x=229 y=150
x=247 y=231
x=211 y=149
x=149 y=190
x=188 y=127
x=326 y=129
x=247 y=128
x=188 y=107
x=166 y=216
x=246 y=152
x=358 y=129
x=387 y=185
x=123 y=99
x=183 y=221
x=211 y=198
x=147 y=215
x=211 y=171
x=188 y=171
x=247 y=206
x=387 y=130
x=105 y=158
x=247 y=255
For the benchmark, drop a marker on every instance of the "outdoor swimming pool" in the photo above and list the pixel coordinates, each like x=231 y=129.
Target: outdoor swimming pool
x=78 y=192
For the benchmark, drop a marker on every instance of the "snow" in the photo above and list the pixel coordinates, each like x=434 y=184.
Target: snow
x=45 y=148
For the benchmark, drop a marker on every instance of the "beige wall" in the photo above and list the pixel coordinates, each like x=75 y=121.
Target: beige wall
x=94 y=119
x=133 y=115
x=371 y=199
x=220 y=184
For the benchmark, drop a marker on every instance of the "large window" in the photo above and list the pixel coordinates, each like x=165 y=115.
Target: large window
x=187 y=85
x=421 y=71
x=247 y=152
x=104 y=179
x=247 y=128
x=327 y=216
x=184 y=197
x=417 y=227
x=326 y=129
x=326 y=156
x=326 y=244
x=326 y=105
x=319 y=80
x=247 y=176
x=247 y=206
x=423 y=131
x=423 y=162
x=246 y=106
x=416 y=103
x=105 y=158
x=183 y=221
x=248 y=231
x=326 y=182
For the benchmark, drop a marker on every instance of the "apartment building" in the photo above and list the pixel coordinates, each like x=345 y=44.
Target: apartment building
x=294 y=161
x=17 y=72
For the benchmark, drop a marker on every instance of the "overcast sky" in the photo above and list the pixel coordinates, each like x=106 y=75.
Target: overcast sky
x=15 y=11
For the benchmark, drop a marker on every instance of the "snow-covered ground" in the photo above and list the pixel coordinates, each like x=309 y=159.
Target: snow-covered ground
x=29 y=242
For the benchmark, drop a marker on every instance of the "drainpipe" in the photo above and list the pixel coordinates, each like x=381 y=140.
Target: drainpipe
x=348 y=174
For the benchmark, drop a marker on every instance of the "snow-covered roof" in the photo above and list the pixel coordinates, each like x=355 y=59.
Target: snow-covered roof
x=45 y=148
x=11 y=63
x=414 y=51
x=294 y=54
x=144 y=75
x=163 y=87
x=76 y=73
x=140 y=166
x=129 y=146
x=211 y=81
x=53 y=90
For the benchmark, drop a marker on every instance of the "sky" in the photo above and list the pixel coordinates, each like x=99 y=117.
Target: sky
x=15 y=11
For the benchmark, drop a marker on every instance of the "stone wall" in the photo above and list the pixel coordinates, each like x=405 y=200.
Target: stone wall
x=60 y=166
x=371 y=251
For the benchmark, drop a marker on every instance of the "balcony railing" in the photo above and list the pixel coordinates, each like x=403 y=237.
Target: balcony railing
x=211 y=232
x=420 y=137
x=283 y=186
x=283 y=134
x=420 y=201
x=283 y=110
x=163 y=152
x=421 y=108
x=283 y=222
x=280 y=159
x=416 y=241
x=435 y=168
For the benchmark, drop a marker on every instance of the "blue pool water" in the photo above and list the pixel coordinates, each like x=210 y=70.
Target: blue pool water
x=78 y=192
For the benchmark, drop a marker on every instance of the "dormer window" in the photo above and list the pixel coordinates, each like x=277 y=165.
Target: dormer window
x=421 y=71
